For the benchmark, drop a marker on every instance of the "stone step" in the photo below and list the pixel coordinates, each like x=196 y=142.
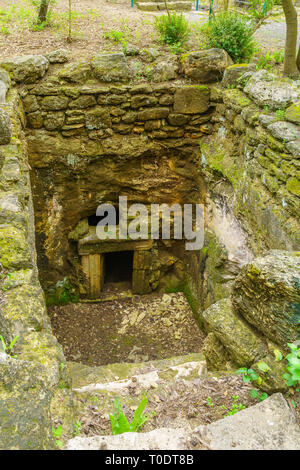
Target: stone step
x=158 y=6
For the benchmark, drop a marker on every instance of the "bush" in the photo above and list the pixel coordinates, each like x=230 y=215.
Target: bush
x=232 y=32
x=174 y=29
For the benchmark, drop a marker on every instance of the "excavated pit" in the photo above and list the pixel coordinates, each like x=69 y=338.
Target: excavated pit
x=141 y=328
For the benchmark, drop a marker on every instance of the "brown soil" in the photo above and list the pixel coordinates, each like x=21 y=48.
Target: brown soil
x=91 y=19
x=177 y=404
x=138 y=329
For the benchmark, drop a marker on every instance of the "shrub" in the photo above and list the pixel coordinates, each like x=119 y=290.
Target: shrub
x=173 y=29
x=232 y=32
x=119 y=422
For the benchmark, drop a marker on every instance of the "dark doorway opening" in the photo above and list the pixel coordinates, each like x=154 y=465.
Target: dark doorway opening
x=94 y=219
x=119 y=267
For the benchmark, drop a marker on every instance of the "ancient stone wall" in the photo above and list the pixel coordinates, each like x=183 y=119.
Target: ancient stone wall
x=27 y=385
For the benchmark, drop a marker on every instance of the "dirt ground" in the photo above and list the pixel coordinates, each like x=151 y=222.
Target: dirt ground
x=92 y=19
x=139 y=329
x=178 y=404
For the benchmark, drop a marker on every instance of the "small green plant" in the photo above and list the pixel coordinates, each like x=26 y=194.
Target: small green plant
x=62 y=294
x=268 y=60
x=235 y=406
x=173 y=29
x=292 y=376
x=119 y=422
x=209 y=402
x=261 y=396
x=77 y=428
x=233 y=32
x=114 y=35
x=249 y=375
x=8 y=349
x=56 y=432
x=280 y=114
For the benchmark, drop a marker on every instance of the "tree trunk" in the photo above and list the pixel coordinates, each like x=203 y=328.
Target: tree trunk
x=298 y=59
x=290 y=67
x=43 y=11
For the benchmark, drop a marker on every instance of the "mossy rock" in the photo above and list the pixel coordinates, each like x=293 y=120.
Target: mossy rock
x=292 y=113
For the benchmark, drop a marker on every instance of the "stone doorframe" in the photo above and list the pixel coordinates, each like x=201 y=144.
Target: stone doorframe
x=93 y=263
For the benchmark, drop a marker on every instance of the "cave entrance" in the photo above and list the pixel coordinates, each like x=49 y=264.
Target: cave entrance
x=118 y=269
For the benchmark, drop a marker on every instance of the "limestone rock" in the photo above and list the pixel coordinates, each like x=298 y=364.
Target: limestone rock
x=267 y=294
x=239 y=339
x=165 y=70
x=5 y=128
x=269 y=425
x=54 y=120
x=233 y=72
x=4 y=85
x=98 y=119
x=77 y=72
x=191 y=99
x=59 y=56
x=292 y=113
x=214 y=352
x=205 y=66
x=27 y=68
x=272 y=380
x=294 y=148
x=111 y=67
x=161 y=438
x=284 y=131
x=267 y=90
x=55 y=103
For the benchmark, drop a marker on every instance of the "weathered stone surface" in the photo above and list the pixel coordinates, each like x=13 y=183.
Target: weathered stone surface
x=59 y=56
x=214 y=352
x=84 y=101
x=269 y=425
x=77 y=72
x=111 y=67
x=161 y=438
x=27 y=68
x=191 y=99
x=235 y=71
x=284 y=131
x=35 y=120
x=266 y=90
x=235 y=99
x=54 y=120
x=271 y=380
x=178 y=119
x=30 y=103
x=239 y=339
x=165 y=69
x=4 y=85
x=55 y=103
x=98 y=119
x=267 y=294
x=294 y=148
x=205 y=66
x=292 y=113
x=5 y=128
x=153 y=113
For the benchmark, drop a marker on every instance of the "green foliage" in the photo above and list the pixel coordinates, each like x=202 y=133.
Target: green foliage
x=235 y=407
x=261 y=396
x=292 y=376
x=56 y=432
x=249 y=375
x=8 y=349
x=77 y=428
x=268 y=60
x=259 y=8
x=114 y=35
x=119 y=422
x=209 y=402
x=232 y=32
x=173 y=30
x=62 y=294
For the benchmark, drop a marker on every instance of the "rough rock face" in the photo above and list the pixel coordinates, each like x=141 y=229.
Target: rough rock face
x=292 y=113
x=191 y=99
x=239 y=339
x=59 y=56
x=205 y=66
x=4 y=85
x=284 y=130
x=270 y=425
x=26 y=69
x=235 y=71
x=111 y=67
x=266 y=90
x=267 y=295
x=5 y=128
